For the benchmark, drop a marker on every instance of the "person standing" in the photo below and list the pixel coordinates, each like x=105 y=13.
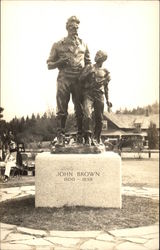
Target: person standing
x=95 y=80
x=70 y=55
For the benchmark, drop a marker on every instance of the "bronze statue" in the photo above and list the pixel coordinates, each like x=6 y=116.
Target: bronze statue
x=70 y=55
x=94 y=80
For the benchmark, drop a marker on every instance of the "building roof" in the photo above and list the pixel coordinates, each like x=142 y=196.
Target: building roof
x=115 y=119
x=128 y=121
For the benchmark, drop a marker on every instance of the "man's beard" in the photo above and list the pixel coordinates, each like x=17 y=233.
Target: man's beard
x=74 y=33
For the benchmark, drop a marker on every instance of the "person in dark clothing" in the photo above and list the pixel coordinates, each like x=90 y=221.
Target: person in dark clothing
x=94 y=80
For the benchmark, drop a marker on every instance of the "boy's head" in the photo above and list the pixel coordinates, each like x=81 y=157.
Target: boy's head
x=100 y=56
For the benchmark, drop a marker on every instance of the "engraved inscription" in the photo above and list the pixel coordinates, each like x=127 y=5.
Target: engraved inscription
x=88 y=173
x=65 y=173
x=78 y=176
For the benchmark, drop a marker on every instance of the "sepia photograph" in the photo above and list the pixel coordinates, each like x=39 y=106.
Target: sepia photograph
x=79 y=125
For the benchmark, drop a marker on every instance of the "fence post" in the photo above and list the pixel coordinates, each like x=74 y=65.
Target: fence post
x=149 y=154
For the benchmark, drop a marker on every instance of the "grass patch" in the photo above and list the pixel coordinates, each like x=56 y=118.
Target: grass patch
x=136 y=211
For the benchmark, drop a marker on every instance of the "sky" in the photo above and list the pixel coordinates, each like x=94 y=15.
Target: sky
x=127 y=30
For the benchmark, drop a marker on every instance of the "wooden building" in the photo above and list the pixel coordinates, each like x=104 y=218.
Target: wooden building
x=122 y=125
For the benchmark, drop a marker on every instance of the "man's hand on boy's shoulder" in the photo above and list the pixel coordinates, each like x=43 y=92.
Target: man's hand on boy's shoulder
x=88 y=67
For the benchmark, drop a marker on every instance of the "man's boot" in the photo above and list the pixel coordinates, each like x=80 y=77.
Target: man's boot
x=79 y=138
x=97 y=134
x=61 y=120
x=88 y=140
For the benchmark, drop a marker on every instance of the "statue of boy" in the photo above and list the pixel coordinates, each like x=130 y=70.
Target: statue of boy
x=70 y=55
x=94 y=80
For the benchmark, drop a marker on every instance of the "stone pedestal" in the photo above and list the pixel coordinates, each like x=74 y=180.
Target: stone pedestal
x=78 y=180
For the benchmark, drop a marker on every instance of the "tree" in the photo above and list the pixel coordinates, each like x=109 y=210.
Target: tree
x=33 y=120
x=1 y=110
x=14 y=125
x=152 y=136
x=38 y=117
x=151 y=109
x=3 y=127
x=22 y=124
